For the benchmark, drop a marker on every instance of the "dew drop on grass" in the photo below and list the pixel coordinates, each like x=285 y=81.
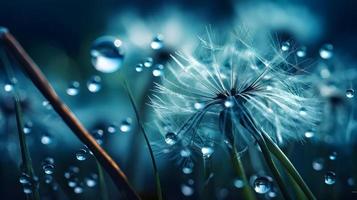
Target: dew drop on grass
x=326 y=51
x=170 y=138
x=148 y=62
x=158 y=70
x=107 y=54
x=81 y=155
x=207 y=151
x=262 y=185
x=94 y=84
x=24 y=178
x=350 y=93
x=285 y=46
x=187 y=190
x=73 y=88
x=125 y=125
x=157 y=42
x=139 y=67
x=301 y=52
x=330 y=178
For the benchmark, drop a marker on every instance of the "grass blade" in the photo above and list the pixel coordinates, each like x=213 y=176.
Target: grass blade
x=156 y=172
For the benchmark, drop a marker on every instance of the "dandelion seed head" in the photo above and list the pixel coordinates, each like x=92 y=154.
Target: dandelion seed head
x=232 y=77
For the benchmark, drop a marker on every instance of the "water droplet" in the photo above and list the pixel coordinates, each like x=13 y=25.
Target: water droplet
x=90 y=182
x=326 y=51
x=78 y=190
x=8 y=87
x=207 y=151
x=272 y=194
x=46 y=104
x=318 y=164
x=185 y=153
x=309 y=134
x=48 y=179
x=24 y=178
x=262 y=185
x=148 y=62
x=107 y=54
x=94 y=84
x=198 y=106
x=72 y=182
x=27 y=189
x=187 y=190
x=301 y=52
x=157 y=42
x=238 y=183
x=46 y=139
x=285 y=46
x=112 y=128
x=333 y=156
x=81 y=154
x=158 y=70
x=73 y=88
x=98 y=135
x=303 y=111
x=229 y=103
x=350 y=93
x=48 y=168
x=187 y=167
x=27 y=127
x=330 y=178
x=170 y=138
x=139 y=67
x=125 y=125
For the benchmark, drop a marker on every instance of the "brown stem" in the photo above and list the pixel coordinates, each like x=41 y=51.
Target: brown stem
x=39 y=80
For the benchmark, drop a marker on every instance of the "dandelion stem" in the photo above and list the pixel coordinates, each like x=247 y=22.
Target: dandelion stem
x=156 y=172
x=276 y=151
x=39 y=80
x=227 y=127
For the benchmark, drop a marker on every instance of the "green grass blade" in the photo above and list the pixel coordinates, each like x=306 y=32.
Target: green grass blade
x=279 y=154
x=140 y=124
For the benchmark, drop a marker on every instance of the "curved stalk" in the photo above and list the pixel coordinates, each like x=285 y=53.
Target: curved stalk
x=29 y=67
x=276 y=151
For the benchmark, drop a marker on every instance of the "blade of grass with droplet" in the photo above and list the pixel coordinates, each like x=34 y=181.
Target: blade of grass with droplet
x=140 y=124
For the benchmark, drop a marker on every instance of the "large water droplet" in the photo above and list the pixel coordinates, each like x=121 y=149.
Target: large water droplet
x=107 y=54
x=24 y=178
x=207 y=151
x=73 y=88
x=262 y=185
x=187 y=190
x=170 y=138
x=94 y=84
x=8 y=87
x=157 y=42
x=285 y=46
x=350 y=93
x=81 y=154
x=125 y=125
x=330 y=178
x=326 y=51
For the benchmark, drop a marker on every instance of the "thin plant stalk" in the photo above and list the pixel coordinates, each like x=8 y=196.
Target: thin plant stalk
x=250 y=124
x=102 y=184
x=140 y=124
x=25 y=153
x=289 y=167
x=29 y=67
x=227 y=127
